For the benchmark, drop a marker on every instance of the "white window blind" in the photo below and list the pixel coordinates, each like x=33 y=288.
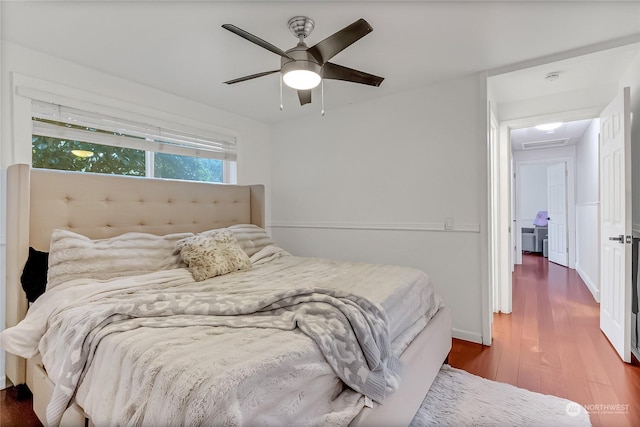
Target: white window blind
x=73 y=124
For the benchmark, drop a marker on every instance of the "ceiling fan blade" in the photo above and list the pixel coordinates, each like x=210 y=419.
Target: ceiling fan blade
x=304 y=96
x=252 y=76
x=337 y=42
x=338 y=72
x=257 y=40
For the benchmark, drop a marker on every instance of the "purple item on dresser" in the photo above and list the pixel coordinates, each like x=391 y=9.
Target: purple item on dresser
x=541 y=219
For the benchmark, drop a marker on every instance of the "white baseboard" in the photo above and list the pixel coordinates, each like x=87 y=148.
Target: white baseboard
x=589 y=282
x=467 y=336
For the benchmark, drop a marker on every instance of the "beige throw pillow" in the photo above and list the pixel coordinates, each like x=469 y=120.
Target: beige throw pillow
x=212 y=253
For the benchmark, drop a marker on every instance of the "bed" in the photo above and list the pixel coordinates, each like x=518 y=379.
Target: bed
x=104 y=206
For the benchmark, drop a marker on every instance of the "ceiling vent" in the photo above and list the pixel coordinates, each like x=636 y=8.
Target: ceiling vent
x=551 y=143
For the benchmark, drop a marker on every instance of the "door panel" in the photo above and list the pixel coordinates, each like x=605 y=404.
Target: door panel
x=557 y=210
x=615 y=224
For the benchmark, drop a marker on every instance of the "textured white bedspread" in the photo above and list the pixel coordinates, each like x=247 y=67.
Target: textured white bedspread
x=204 y=375
x=214 y=376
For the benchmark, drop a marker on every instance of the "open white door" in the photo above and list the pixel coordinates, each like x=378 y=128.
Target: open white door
x=615 y=223
x=557 y=211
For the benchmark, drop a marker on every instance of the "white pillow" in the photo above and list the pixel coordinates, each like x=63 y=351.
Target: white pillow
x=212 y=253
x=251 y=238
x=74 y=256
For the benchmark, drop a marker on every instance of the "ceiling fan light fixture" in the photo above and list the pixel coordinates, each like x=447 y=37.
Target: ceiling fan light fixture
x=303 y=73
x=301 y=79
x=303 y=68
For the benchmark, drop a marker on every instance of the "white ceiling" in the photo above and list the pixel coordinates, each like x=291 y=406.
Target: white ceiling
x=575 y=74
x=567 y=134
x=587 y=76
x=180 y=47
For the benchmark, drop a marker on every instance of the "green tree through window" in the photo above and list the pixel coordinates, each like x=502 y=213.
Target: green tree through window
x=54 y=153
x=185 y=167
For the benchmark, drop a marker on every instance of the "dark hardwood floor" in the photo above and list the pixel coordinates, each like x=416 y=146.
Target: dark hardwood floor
x=15 y=408
x=551 y=344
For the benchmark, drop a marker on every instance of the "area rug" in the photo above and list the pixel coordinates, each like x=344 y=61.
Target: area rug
x=458 y=398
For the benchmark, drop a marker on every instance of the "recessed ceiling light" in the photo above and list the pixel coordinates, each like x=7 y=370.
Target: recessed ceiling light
x=549 y=126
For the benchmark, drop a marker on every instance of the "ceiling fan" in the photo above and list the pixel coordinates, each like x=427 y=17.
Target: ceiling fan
x=302 y=67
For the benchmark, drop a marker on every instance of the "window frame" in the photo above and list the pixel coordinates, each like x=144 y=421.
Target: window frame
x=140 y=135
x=25 y=89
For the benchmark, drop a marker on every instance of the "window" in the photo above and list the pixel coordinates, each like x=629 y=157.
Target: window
x=70 y=139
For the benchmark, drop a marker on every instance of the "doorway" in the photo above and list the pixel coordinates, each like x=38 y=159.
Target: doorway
x=535 y=232
x=578 y=151
x=521 y=95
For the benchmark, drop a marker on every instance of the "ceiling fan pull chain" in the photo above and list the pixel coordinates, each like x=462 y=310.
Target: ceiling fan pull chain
x=322 y=96
x=281 y=107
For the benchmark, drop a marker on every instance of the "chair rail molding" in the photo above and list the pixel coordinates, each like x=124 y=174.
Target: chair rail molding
x=423 y=226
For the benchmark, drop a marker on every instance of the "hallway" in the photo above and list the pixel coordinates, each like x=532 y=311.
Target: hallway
x=552 y=344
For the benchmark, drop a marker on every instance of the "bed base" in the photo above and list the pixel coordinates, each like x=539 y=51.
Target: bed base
x=42 y=388
x=421 y=362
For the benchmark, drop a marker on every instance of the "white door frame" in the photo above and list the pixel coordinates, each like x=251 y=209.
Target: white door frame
x=504 y=181
x=496 y=257
x=571 y=205
x=500 y=225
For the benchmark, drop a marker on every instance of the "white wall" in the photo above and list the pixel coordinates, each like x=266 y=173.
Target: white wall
x=55 y=74
x=376 y=181
x=253 y=136
x=532 y=192
x=632 y=78
x=544 y=154
x=587 y=208
x=3 y=251
x=2 y=228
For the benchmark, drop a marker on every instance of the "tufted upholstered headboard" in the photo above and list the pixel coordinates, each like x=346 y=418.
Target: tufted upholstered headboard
x=100 y=206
